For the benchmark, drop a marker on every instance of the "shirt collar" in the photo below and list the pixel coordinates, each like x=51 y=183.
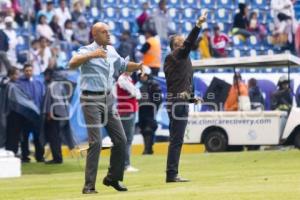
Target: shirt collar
x=95 y=45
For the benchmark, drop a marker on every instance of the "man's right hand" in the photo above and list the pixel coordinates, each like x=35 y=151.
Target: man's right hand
x=99 y=53
x=202 y=19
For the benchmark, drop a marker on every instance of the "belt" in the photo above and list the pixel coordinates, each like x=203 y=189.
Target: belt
x=96 y=93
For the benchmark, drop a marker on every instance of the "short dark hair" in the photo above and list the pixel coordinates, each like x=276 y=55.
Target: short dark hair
x=161 y=2
x=12 y=71
x=40 y=18
x=34 y=42
x=27 y=65
x=151 y=32
x=252 y=82
x=49 y=72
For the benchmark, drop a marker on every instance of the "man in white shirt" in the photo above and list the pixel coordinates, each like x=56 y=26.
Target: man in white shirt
x=63 y=13
x=13 y=40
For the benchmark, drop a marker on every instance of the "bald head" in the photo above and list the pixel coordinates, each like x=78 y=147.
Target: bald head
x=100 y=32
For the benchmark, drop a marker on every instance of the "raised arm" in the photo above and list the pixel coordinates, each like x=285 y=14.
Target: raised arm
x=192 y=37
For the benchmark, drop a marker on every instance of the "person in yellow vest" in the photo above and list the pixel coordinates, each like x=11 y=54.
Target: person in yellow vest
x=205 y=45
x=152 y=52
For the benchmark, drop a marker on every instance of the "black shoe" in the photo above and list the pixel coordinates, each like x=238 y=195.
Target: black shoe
x=148 y=152
x=53 y=162
x=115 y=184
x=40 y=160
x=26 y=160
x=176 y=179
x=89 y=191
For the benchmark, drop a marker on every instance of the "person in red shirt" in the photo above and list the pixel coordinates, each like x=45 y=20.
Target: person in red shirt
x=127 y=107
x=219 y=43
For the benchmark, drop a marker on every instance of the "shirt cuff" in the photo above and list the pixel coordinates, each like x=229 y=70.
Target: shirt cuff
x=198 y=26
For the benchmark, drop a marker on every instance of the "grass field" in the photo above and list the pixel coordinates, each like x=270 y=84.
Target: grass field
x=266 y=175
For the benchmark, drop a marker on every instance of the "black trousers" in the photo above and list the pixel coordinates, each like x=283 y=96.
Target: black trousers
x=178 y=114
x=28 y=127
x=14 y=131
x=54 y=139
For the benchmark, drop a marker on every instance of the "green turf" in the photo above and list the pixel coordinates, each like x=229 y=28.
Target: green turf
x=229 y=176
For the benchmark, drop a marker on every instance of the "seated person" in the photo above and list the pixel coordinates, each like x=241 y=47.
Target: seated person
x=282 y=98
x=237 y=90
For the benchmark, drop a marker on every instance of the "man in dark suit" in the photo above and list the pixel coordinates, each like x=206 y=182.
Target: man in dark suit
x=179 y=75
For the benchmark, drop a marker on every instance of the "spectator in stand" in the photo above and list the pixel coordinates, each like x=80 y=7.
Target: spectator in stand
x=4 y=45
x=282 y=34
x=143 y=17
x=256 y=28
x=77 y=11
x=285 y=22
x=35 y=90
x=59 y=57
x=162 y=21
x=152 y=52
x=127 y=46
x=282 y=98
x=62 y=13
x=43 y=29
x=34 y=57
x=256 y=98
x=128 y=95
x=219 y=43
x=45 y=56
x=240 y=23
x=282 y=10
x=12 y=40
x=81 y=33
x=18 y=15
x=48 y=12
x=37 y=6
x=237 y=90
x=57 y=30
x=205 y=47
x=68 y=31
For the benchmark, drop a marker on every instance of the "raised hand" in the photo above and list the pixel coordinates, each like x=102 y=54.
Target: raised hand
x=202 y=19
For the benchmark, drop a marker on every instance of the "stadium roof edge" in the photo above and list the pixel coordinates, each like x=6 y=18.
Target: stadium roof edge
x=278 y=60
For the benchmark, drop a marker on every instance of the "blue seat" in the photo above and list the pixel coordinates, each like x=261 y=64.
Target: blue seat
x=175 y=4
x=153 y=3
x=222 y=15
x=191 y=3
x=110 y=13
x=189 y=14
x=127 y=13
x=211 y=4
x=175 y=14
x=260 y=4
x=228 y=4
x=129 y=3
x=187 y=27
x=110 y=3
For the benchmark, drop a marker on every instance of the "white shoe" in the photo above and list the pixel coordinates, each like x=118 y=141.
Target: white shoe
x=131 y=169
